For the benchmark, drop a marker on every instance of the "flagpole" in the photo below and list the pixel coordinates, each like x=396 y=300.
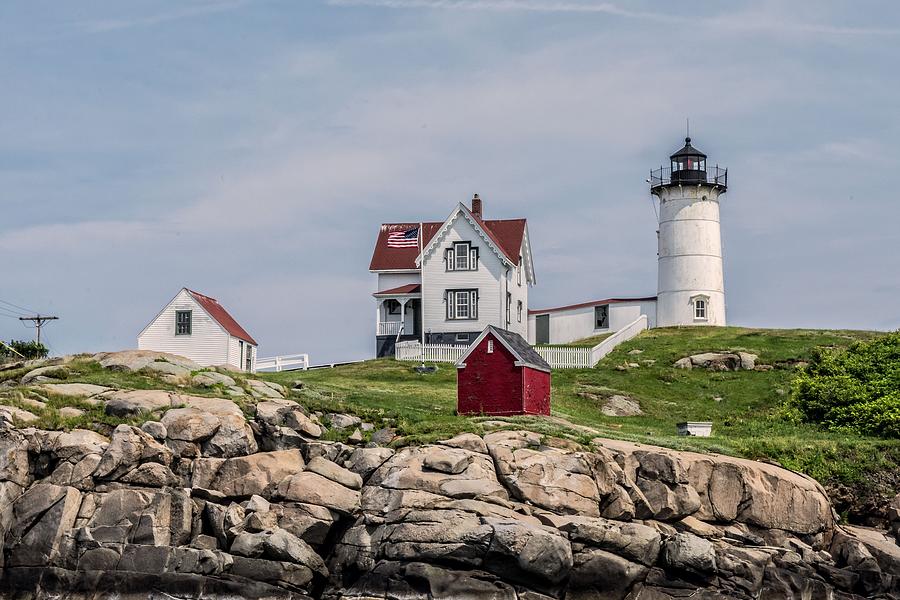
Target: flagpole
x=422 y=290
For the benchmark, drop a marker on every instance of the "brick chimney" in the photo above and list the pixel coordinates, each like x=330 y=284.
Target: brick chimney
x=477 y=206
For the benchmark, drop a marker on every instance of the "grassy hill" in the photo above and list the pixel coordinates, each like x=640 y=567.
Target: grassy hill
x=745 y=406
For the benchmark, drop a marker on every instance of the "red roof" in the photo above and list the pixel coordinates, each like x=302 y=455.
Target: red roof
x=218 y=312
x=592 y=303
x=409 y=288
x=507 y=234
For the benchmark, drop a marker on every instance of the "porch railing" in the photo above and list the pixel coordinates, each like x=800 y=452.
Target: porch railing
x=389 y=327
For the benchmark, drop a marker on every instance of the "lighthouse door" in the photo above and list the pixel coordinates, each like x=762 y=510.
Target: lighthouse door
x=542 y=329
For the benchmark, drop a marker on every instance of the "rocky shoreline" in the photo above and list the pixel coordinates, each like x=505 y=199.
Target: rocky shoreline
x=206 y=502
x=504 y=516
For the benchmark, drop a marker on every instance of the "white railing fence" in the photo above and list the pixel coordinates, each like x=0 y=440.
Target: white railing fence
x=558 y=357
x=623 y=335
x=412 y=350
x=566 y=357
x=287 y=362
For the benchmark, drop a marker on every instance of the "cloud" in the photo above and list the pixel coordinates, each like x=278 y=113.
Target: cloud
x=749 y=22
x=198 y=9
x=511 y=5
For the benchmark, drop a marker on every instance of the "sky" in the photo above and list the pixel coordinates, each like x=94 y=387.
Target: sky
x=250 y=150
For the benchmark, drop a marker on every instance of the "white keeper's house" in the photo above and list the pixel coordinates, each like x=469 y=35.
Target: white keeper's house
x=445 y=281
x=197 y=327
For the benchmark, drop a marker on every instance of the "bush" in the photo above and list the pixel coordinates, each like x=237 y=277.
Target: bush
x=28 y=350
x=857 y=389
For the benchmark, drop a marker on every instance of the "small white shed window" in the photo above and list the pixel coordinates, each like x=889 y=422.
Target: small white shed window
x=490 y=347
x=700 y=309
x=182 y=322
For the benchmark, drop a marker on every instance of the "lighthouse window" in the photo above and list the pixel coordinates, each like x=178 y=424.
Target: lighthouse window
x=700 y=308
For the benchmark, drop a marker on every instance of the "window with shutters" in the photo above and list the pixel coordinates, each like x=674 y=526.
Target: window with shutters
x=462 y=305
x=182 y=322
x=519 y=311
x=461 y=257
x=519 y=272
x=508 y=308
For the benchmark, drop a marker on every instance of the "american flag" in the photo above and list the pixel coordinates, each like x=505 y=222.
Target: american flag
x=404 y=239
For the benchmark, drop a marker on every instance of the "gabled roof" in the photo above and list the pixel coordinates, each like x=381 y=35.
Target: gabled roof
x=543 y=311
x=521 y=350
x=221 y=316
x=403 y=290
x=506 y=234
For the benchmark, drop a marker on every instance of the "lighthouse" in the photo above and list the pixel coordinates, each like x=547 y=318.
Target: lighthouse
x=691 y=284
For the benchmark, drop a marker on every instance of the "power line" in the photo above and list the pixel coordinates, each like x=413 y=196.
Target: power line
x=27 y=310
x=9 y=313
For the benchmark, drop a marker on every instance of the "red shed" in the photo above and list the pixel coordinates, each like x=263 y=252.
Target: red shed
x=501 y=374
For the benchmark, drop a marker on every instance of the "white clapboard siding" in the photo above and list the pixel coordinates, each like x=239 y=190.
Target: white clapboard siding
x=566 y=357
x=488 y=280
x=207 y=345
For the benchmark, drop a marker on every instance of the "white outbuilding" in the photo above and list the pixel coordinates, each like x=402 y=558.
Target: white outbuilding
x=197 y=327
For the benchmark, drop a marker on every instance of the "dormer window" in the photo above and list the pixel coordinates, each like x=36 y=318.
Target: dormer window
x=462 y=257
x=701 y=307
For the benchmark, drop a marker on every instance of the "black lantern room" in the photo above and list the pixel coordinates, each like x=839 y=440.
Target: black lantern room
x=688 y=164
x=687 y=167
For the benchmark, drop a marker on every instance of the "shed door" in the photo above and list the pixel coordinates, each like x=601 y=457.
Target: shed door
x=542 y=329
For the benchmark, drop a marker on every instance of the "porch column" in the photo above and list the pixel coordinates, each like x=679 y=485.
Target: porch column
x=403 y=314
x=378 y=303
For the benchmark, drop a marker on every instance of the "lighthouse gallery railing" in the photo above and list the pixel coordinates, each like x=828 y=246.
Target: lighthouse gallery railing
x=712 y=175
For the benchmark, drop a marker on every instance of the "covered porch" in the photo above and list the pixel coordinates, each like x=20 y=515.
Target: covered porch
x=398 y=317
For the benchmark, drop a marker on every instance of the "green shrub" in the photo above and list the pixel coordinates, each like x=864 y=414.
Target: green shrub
x=857 y=389
x=28 y=350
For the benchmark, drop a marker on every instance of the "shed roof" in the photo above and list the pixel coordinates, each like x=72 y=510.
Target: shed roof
x=521 y=350
x=221 y=316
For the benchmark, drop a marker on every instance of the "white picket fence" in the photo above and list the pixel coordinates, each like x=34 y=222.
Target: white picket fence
x=287 y=362
x=558 y=357
x=566 y=357
x=412 y=350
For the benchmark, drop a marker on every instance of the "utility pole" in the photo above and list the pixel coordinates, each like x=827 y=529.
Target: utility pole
x=38 y=321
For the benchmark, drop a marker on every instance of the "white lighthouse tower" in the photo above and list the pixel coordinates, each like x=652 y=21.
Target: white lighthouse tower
x=691 y=286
